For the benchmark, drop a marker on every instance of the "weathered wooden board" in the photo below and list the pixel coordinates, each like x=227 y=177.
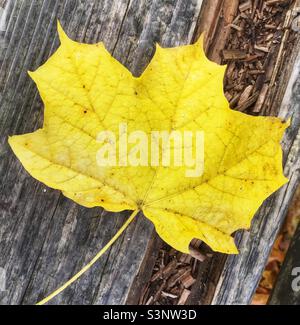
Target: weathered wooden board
x=287 y=287
x=44 y=237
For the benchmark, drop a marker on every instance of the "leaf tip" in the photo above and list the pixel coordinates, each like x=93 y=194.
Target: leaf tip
x=201 y=39
x=61 y=33
x=287 y=123
x=158 y=48
x=32 y=75
x=10 y=141
x=235 y=251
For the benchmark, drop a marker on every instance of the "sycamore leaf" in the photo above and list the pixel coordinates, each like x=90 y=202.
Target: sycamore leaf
x=86 y=91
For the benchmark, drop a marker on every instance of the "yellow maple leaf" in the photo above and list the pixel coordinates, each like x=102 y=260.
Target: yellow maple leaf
x=86 y=91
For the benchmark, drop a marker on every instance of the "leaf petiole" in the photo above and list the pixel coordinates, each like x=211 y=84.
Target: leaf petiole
x=92 y=262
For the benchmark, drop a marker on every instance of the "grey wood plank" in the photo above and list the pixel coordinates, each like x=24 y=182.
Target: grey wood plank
x=44 y=237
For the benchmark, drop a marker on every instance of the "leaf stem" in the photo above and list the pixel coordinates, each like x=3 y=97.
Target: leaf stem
x=92 y=262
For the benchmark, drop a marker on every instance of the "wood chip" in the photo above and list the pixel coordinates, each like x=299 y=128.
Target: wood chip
x=181 y=273
x=184 y=297
x=262 y=48
x=234 y=55
x=187 y=281
x=245 y=5
x=164 y=271
x=245 y=95
x=169 y=295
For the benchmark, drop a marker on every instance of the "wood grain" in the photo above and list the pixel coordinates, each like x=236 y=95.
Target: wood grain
x=44 y=237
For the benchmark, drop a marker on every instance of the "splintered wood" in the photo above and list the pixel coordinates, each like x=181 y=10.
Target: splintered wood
x=173 y=276
x=253 y=51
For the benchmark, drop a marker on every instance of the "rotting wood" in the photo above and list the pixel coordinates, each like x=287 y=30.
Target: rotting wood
x=214 y=20
x=173 y=277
